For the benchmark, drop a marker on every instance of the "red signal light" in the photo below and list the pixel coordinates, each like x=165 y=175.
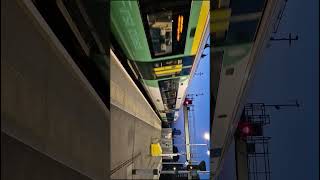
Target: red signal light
x=246 y=130
x=187 y=101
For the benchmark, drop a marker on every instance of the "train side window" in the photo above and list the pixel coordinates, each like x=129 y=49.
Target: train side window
x=160 y=25
x=168 y=91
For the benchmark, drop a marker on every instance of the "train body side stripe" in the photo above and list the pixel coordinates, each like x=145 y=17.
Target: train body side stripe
x=205 y=7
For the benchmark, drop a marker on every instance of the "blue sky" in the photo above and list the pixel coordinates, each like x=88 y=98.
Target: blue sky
x=285 y=74
x=199 y=119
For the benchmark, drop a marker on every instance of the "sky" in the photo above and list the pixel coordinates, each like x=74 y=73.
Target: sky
x=199 y=119
x=283 y=75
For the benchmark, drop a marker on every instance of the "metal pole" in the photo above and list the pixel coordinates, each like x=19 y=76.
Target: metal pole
x=172 y=163
x=182 y=172
x=193 y=162
x=290 y=39
x=189 y=163
x=172 y=154
x=203 y=172
x=175 y=172
x=191 y=144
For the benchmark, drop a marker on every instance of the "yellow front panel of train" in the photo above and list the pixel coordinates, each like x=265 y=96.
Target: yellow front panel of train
x=204 y=12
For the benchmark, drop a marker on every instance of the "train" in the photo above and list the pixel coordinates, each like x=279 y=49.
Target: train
x=162 y=43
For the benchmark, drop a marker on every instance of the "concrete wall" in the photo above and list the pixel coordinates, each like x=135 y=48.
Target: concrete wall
x=46 y=102
x=19 y=162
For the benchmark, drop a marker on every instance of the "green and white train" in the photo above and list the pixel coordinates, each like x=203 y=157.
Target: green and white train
x=162 y=42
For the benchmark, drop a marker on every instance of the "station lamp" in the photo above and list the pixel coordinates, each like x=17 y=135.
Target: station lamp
x=206 y=136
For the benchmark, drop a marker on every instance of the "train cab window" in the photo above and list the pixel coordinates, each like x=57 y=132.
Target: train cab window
x=165 y=25
x=160 y=25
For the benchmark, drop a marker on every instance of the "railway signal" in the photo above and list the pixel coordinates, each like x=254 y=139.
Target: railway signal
x=187 y=102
